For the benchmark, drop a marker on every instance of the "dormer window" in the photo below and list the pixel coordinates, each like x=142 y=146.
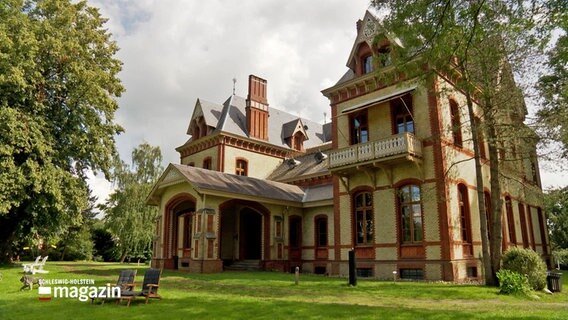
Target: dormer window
x=298 y=141
x=367 y=64
x=385 y=56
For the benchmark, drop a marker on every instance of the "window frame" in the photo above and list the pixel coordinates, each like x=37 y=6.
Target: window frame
x=241 y=171
x=456 y=123
x=412 y=204
x=512 y=235
x=207 y=163
x=402 y=108
x=355 y=132
x=319 y=234
x=366 y=212
x=465 y=219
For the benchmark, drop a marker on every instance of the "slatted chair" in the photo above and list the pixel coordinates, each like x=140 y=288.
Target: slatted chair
x=38 y=268
x=150 y=287
x=125 y=282
x=28 y=267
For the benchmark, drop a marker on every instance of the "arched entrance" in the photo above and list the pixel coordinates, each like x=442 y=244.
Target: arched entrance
x=244 y=231
x=179 y=216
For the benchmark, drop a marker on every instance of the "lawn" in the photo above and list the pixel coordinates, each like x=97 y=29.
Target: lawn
x=268 y=295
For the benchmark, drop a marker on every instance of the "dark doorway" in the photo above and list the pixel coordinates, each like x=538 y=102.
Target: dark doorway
x=250 y=234
x=295 y=237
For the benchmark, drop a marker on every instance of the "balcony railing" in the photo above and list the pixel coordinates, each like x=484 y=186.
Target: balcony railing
x=400 y=144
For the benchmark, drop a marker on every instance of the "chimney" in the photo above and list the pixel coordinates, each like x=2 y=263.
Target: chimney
x=257 y=108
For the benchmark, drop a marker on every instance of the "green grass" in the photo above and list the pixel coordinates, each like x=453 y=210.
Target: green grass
x=268 y=295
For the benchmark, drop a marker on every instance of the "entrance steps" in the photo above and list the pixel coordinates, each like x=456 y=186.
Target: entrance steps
x=244 y=265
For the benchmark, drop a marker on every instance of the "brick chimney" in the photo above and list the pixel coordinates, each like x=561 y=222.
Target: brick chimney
x=257 y=108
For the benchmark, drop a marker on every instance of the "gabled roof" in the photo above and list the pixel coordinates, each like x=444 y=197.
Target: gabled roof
x=230 y=117
x=213 y=182
x=370 y=26
x=290 y=128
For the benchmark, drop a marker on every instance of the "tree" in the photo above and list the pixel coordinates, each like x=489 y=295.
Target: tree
x=477 y=45
x=127 y=216
x=556 y=208
x=58 y=84
x=554 y=88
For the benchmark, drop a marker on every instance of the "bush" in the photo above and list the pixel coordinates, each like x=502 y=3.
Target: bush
x=526 y=262
x=511 y=282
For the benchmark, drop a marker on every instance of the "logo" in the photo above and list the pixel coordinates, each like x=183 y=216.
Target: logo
x=81 y=292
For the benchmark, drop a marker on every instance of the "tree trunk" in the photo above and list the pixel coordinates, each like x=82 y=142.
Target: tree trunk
x=486 y=259
x=123 y=256
x=496 y=202
x=8 y=227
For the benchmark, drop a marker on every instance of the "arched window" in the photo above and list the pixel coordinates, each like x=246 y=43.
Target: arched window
x=367 y=64
x=524 y=233
x=456 y=123
x=480 y=139
x=410 y=205
x=241 y=167
x=364 y=227
x=510 y=221
x=465 y=220
x=298 y=141
x=321 y=231
x=359 y=128
x=402 y=114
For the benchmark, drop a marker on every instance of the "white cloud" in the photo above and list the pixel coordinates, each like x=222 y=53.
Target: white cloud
x=176 y=51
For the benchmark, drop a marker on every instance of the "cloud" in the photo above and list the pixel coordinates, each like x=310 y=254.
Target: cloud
x=176 y=51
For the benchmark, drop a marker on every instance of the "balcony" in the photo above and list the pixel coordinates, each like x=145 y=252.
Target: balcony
x=402 y=145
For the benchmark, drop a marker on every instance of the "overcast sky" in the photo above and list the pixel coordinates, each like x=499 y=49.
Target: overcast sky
x=176 y=51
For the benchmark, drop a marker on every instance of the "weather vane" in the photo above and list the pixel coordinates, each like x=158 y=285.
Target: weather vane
x=234 y=83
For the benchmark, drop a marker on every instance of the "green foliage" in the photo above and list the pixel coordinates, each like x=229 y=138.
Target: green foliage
x=556 y=208
x=560 y=256
x=58 y=84
x=511 y=282
x=105 y=247
x=128 y=218
x=553 y=86
x=527 y=263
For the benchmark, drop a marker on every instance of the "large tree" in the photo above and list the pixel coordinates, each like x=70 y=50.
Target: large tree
x=127 y=216
x=554 y=88
x=556 y=207
x=58 y=85
x=477 y=45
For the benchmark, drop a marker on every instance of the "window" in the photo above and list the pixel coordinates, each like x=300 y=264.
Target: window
x=465 y=219
x=411 y=214
x=321 y=231
x=191 y=164
x=456 y=123
x=471 y=272
x=488 y=215
x=364 y=217
x=402 y=114
x=414 y=274
x=364 y=272
x=384 y=56
x=298 y=141
x=510 y=221
x=542 y=232
x=367 y=64
x=207 y=163
x=524 y=232
x=241 y=167
x=480 y=139
x=359 y=128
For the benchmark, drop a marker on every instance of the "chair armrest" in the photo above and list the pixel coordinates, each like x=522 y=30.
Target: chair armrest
x=153 y=285
x=151 y=288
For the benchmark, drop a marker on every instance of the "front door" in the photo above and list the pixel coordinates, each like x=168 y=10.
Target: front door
x=250 y=235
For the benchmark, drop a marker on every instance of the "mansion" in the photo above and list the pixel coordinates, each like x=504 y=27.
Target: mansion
x=391 y=176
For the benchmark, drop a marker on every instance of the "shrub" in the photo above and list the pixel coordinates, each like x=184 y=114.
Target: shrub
x=526 y=262
x=511 y=282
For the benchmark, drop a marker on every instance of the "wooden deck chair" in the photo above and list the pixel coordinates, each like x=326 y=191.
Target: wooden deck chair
x=38 y=268
x=150 y=287
x=125 y=282
x=28 y=267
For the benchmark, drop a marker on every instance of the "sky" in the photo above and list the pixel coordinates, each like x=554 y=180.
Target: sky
x=175 y=51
